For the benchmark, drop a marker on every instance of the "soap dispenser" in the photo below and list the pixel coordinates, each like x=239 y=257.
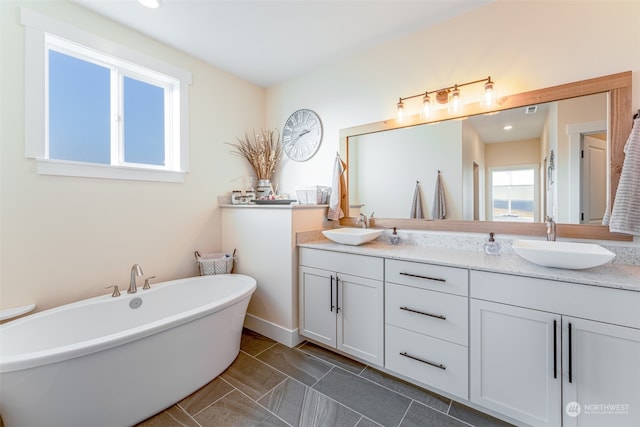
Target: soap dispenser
x=492 y=247
x=395 y=239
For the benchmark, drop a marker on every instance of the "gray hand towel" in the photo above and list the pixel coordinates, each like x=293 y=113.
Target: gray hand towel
x=439 y=203
x=416 y=205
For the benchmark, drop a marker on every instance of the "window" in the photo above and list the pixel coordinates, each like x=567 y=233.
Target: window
x=108 y=113
x=513 y=194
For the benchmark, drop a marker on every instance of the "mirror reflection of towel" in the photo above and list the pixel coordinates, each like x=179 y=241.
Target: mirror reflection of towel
x=439 y=203
x=416 y=205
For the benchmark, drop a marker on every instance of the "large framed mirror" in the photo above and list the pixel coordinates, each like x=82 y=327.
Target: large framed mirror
x=497 y=180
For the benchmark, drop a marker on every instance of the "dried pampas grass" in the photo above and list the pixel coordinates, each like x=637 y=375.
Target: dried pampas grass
x=263 y=152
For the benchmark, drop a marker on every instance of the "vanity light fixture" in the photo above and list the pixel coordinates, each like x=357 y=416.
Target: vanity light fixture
x=448 y=95
x=400 y=110
x=455 y=102
x=151 y=4
x=426 y=105
x=488 y=93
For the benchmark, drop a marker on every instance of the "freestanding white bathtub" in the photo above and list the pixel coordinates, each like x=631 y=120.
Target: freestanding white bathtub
x=100 y=362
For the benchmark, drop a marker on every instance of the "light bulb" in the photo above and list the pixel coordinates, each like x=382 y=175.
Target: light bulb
x=426 y=105
x=455 y=102
x=400 y=110
x=488 y=93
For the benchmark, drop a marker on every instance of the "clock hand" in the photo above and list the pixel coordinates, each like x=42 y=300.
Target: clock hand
x=304 y=132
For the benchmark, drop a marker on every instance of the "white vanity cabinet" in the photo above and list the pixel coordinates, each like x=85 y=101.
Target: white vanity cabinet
x=550 y=353
x=426 y=324
x=341 y=302
x=515 y=362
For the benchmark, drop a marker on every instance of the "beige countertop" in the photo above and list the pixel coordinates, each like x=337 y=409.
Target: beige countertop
x=609 y=275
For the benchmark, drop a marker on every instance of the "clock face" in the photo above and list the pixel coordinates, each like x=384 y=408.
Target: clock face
x=301 y=135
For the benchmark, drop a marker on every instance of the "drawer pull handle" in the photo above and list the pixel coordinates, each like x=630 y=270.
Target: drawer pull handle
x=570 y=356
x=437 y=279
x=437 y=316
x=437 y=365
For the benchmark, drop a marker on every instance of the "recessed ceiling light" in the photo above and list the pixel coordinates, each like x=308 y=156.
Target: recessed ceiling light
x=151 y=4
x=508 y=127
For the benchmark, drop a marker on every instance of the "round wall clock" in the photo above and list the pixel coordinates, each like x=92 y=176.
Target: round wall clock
x=301 y=135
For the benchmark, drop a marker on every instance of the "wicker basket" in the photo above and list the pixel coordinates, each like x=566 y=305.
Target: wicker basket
x=215 y=263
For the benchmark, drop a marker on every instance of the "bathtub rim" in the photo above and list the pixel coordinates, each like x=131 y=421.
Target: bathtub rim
x=71 y=351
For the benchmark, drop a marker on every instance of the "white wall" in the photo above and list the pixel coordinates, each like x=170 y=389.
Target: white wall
x=64 y=239
x=413 y=154
x=522 y=45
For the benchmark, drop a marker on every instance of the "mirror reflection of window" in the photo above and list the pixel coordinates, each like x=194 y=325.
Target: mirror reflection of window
x=512 y=193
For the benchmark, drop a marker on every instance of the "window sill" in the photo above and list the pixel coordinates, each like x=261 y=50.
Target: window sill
x=90 y=170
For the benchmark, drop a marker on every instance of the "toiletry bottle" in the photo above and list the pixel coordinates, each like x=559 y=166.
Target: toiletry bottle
x=395 y=239
x=492 y=247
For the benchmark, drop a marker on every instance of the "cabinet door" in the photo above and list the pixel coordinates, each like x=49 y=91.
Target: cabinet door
x=361 y=317
x=515 y=362
x=317 y=305
x=601 y=381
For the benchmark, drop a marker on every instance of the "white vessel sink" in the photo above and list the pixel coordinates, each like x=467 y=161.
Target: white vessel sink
x=352 y=236
x=562 y=254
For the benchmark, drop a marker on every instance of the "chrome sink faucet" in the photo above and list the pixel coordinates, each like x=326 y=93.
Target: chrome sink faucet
x=363 y=220
x=135 y=271
x=551 y=228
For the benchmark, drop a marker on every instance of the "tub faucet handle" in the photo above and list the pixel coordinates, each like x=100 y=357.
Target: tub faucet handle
x=116 y=292
x=146 y=282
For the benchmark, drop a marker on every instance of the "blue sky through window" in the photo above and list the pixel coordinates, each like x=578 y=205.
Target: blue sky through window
x=143 y=122
x=80 y=114
x=79 y=110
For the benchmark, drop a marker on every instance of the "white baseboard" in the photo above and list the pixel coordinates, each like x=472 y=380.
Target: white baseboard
x=288 y=337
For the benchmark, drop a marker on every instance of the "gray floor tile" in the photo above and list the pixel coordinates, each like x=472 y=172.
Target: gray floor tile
x=421 y=395
x=205 y=396
x=333 y=358
x=295 y=363
x=363 y=396
x=253 y=343
x=365 y=422
x=237 y=410
x=302 y=406
x=172 y=417
x=252 y=376
x=420 y=415
x=474 y=417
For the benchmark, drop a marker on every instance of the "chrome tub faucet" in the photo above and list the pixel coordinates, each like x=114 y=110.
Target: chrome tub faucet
x=135 y=271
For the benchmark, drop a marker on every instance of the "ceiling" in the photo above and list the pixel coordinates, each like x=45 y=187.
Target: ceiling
x=526 y=123
x=268 y=42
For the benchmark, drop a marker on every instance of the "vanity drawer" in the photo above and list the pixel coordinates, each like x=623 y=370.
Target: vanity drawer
x=356 y=265
x=603 y=304
x=431 y=313
x=428 y=360
x=427 y=276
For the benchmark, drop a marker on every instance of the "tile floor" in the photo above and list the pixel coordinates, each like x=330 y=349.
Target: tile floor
x=270 y=384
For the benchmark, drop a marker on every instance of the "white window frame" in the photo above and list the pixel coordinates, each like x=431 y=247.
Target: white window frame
x=41 y=32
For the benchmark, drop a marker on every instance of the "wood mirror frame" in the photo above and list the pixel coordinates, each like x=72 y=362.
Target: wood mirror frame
x=618 y=87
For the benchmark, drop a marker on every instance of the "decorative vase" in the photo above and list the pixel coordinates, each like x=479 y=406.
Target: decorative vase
x=264 y=188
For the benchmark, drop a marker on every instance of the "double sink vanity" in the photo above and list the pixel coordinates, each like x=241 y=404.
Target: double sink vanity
x=530 y=344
